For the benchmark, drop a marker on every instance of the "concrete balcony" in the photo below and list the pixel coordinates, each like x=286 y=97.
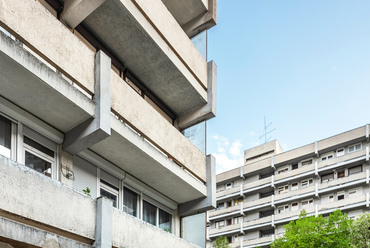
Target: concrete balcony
x=223 y=211
x=255 y=223
x=293 y=174
x=357 y=178
x=257 y=242
x=147 y=39
x=62 y=211
x=343 y=159
x=348 y=203
x=257 y=166
x=294 y=194
x=225 y=230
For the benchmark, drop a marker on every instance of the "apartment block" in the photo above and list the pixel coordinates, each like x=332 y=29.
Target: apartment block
x=103 y=110
x=255 y=201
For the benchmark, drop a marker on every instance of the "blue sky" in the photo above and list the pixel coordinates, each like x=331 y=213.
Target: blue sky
x=305 y=65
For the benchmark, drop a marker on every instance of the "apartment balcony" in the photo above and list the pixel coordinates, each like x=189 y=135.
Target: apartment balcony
x=294 y=174
x=358 y=178
x=65 y=212
x=338 y=161
x=263 y=241
x=147 y=39
x=141 y=141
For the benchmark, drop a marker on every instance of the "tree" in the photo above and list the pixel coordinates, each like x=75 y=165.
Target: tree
x=221 y=242
x=311 y=231
x=361 y=232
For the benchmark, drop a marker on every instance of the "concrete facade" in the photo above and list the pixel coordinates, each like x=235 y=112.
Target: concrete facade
x=94 y=98
x=255 y=201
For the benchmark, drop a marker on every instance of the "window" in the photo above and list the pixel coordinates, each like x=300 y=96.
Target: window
x=294 y=186
x=355 y=170
x=262 y=176
x=340 y=174
x=149 y=213
x=352 y=193
x=294 y=166
x=228 y=186
x=220 y=224
x=307 y=162
x=283 y=209
x=236 y=220
x=267 y=233
x=331 y=198
x=306 y=183
x=340 y=196
x=165 y=220
x=229 y=222
x=109 y=192
x=327 y=177
x=327 y=157
x=266 y=213
x=267 y=194
x=340 y=152
x=5 y=137
x=283 y=189
x=38 y=157
x=283 y=170
x=238 y=201
x=130 y=202
x=229 y=239
x=294 y=206
x=307 y=203
x=220 y=205
x=354 y=148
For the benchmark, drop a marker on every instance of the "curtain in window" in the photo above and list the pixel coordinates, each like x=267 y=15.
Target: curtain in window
x=130 y=202
x=149 y=213
x=164 y=220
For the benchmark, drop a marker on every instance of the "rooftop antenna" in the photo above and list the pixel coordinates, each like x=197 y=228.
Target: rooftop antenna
x=267 y=132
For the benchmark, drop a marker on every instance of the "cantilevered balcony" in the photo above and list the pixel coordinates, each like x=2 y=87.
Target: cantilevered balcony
x=38 y=204
x=141 y=141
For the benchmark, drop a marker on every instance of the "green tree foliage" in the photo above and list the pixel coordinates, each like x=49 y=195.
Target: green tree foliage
x=361 y=232
x=311 y=231
x=221 y=242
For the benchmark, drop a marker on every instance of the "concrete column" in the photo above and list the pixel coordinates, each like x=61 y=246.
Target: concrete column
x=103 y=231
x=97 y=128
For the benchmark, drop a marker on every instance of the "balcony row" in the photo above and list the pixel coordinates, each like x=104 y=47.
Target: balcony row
x=292 y=192
x=288 y=174
x=285 y=216
x=68 y=213
x=140 y=141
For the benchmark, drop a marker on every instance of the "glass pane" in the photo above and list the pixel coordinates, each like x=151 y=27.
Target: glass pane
x=38 y=146
x=149 y=213
x=5 y=136
x=200 y=42
x=109 y=196
x=197 y=135
x=38 y=164
x=130 y=202
x=165 y=220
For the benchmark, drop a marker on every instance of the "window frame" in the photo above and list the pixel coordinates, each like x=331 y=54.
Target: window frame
x=282 y=170
x=286 y=189
x=294 y=187
x=306 y=160
x=109 y=189
x=308 y=181
x=354 y=147
x=342 y=153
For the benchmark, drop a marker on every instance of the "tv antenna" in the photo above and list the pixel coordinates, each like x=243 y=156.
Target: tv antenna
x=267 y=132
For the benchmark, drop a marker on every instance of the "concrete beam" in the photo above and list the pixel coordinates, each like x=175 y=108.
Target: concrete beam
x=75 y=11
x=203 y=21
x=21 y=235
x=207 y=203
x=103 y=231
x=207 y=111
x=98 y=128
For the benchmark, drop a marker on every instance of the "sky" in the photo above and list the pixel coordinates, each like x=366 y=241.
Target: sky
x=303 y=64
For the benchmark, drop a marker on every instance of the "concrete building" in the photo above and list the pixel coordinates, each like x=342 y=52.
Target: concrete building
x=255 y=201
x=103 y=105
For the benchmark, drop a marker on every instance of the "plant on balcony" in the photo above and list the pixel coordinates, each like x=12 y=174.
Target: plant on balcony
x=221 y=242
x=87 y=191
x=312 y=231
x=361 y=231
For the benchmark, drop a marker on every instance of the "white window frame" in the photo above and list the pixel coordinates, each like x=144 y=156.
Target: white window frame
x=13 y=137
x=282 y=170
x=228 y=186
x=355 y=172
x=111 y=190
x=285 y=187
x=308 y=183
x=327 y=156
x=329 y=179
x=220 y=224
x=354 y=147
x=283 y=209
x=309 y=203
x=47 y=158
x=294 y=208
x=306 y=160
x=340 y=153
x=294 y=187
x=331 y=198
x=340 y=194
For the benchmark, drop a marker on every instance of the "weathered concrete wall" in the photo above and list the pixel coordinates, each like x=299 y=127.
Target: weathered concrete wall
x=30 y=194
x=130 y=232
x=171 y=30
x=44 y=32
x=135 y=110
x=20 y=234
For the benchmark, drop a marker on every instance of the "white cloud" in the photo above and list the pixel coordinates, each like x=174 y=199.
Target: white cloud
x=253 y=133
x=228 y=156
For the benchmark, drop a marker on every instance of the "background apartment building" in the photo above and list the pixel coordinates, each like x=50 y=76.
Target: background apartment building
x=110 y=98
x=255 y=201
